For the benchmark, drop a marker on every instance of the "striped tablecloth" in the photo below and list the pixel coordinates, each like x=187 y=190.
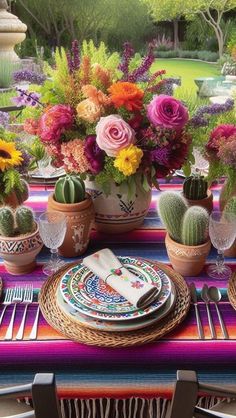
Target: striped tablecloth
x=146 y=371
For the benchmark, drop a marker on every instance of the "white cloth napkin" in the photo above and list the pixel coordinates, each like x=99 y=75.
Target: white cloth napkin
x=107 y=266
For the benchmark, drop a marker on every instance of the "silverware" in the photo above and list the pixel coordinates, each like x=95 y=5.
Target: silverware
x=28 y=298
x=194 y=300
x=34 y=330
x=7 y=301
x=17 y=298
x=215 y=296
x=205 y=298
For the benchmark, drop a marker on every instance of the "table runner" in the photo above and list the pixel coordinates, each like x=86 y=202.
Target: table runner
x=147 y=371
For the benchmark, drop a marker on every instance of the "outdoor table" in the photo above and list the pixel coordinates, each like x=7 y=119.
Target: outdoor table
x=146 y=372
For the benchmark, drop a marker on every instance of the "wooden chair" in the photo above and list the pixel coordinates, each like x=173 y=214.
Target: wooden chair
x=185 y=396
x=44 y=397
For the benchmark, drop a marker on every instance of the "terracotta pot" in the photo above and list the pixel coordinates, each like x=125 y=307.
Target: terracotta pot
x=116 y=213
x=231 y=252
x=187 y=260
x=206 y=203
x=19 y=252
x=80 y=219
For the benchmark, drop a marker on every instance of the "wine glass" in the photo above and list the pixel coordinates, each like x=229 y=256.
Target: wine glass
x=222 y=231
x=52 y=229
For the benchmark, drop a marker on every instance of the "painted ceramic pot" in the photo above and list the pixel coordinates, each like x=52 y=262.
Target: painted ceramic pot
x=116 y=213
x=187 y=260
x=206 y=203
x=80 y=220
x=19 y=252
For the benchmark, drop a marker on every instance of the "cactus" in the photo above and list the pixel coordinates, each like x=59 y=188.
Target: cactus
x=69 y=189
x=6 y=222
x=195 y=188
x=195 y=226
x=24 y=220
x=172 y=207
x=22 y=194
x=231 y=205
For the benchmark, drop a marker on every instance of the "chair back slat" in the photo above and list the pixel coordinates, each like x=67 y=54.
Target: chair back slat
x=46 y=404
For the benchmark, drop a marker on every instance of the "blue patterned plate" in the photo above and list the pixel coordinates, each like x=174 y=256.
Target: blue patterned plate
x=118 y=326
x=89 y=295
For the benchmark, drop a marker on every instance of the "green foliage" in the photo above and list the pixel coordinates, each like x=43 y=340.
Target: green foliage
x=6 y=222
x=10 y=180
x=171 y=209
x=195 y=187
x=100 y=55
x=7 y=67
x=69 y=189
x=24 y=220
x=195 y=226
x=231 y=205
x=23 y=193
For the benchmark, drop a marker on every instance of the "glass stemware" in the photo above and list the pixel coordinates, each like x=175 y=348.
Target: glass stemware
x=222 y=231
x=52 y=229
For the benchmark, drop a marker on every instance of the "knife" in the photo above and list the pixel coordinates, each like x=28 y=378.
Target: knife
x=194 y=300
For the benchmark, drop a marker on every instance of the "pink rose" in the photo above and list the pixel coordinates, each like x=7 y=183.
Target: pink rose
x=167 y=112
x=114 y=134
x=219 y=134
x=54 y=122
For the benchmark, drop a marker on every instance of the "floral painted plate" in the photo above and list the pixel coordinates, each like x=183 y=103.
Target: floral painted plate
x=88 y=294
x=117 y=326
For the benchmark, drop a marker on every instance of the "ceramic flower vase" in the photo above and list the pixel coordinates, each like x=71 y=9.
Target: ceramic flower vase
x=117 y=213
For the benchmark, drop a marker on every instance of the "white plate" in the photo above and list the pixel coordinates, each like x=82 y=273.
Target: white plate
x=55 y=174
x=118 y=326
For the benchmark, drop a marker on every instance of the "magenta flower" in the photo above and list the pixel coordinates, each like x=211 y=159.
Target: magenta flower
x=54 y=122
x=167 y=112
x=94 y=154
x=219 y=134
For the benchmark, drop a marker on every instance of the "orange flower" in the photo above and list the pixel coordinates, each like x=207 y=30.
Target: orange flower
x=126 y=94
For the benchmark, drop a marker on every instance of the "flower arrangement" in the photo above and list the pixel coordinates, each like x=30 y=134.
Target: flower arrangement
x=221 y=153
x=109 y=117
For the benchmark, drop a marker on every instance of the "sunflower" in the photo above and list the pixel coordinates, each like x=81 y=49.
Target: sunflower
x=9 y=155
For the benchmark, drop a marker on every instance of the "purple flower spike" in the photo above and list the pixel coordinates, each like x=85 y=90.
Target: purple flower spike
x=200 y=118
x=128 y=53
x=73 y=57
x=29 y=76
x=146 y=63
x=26 y=98
x=4 y=119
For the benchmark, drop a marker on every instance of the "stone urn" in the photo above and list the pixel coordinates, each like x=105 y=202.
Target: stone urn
x=117 y=212
x=12 y=32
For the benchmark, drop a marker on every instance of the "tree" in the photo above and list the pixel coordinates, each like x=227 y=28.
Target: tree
x=212 y=11
x=167 y=10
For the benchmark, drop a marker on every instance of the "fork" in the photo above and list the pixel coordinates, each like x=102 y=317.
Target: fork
x=17 y=297
x=28 y=298
x=7 y=301
x=34 y=330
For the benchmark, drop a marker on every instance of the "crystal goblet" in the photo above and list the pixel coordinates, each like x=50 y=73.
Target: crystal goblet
x=52 y=229
x=222 y=231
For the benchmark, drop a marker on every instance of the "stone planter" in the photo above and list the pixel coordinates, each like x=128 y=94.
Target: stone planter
x=116 y=213
x=206 y=203
x=19 y=252
x=80 y=219
x=187 y=260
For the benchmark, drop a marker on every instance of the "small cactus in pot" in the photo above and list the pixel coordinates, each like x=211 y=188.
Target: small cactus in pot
x=20 y=241
x=196 y=192
x=188 y=242
x=71 y=199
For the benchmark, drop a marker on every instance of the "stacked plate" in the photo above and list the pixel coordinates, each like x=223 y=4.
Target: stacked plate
x=87 y=299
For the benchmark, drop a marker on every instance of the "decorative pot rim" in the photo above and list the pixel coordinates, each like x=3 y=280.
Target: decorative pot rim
x=209 y=197
x=72 y=207
x=182 y=250
x=21 y=244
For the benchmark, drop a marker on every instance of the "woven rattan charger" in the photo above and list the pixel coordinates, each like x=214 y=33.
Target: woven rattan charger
x=232 y=290
x=74 y=331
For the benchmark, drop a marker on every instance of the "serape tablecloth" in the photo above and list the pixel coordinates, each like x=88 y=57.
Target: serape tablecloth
x=147 y=371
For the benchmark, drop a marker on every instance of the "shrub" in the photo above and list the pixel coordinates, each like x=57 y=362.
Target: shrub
x=163 y=43
x=208 y=56
x=202 y=55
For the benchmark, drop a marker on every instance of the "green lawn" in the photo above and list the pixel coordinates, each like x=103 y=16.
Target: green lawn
x=187 y=70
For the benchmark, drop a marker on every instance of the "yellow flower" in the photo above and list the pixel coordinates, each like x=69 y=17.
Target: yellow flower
x=128 y=160
x=9 y=155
